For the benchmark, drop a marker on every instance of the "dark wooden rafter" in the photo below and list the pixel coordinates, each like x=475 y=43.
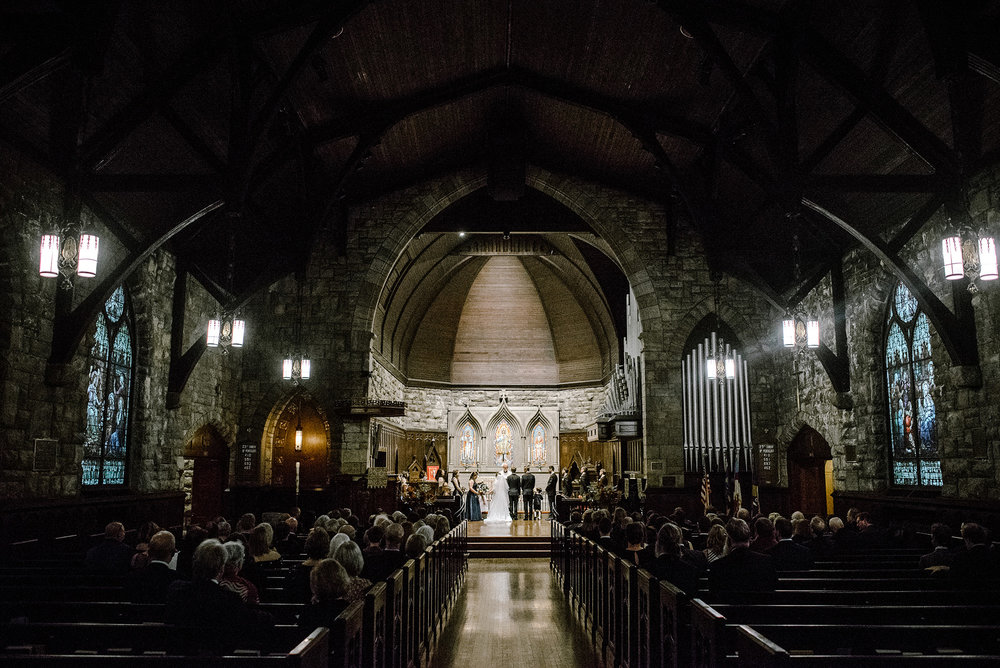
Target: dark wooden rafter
x=838 y=69
x=149 y=182
x=181 y=364
x=207 y=155
x=31 y=61
x=69 y=328
x=386 y=115
x=917 y=221
x=786 y=69
x=333 y=20
x=958 y=337
x=836 y=363
x=887 y=183
x=696 y=24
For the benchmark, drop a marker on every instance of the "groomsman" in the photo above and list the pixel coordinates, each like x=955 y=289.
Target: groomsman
x=528 y=492
x=513 y=491
x=550 y=491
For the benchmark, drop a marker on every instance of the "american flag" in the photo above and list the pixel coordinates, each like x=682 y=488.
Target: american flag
x=706 y=491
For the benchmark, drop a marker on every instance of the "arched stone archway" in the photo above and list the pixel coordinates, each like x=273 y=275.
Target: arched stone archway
x=277 y=441
x=634 y=231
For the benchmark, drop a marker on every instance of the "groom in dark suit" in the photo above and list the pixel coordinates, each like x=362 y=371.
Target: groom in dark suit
x=528 y=492
x=550 y=491
x=513 y=491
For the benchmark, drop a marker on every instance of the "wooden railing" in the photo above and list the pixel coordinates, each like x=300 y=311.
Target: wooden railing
x=831 y=616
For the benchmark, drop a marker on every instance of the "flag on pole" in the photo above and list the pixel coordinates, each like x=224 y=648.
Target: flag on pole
x=755 y=504
x=706 y=491
x=727 y=479
x=737 y=493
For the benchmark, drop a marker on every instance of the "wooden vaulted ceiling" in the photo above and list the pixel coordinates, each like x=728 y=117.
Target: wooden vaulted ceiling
x=186 y=123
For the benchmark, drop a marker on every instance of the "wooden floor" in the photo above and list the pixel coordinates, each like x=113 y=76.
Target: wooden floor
x=512 y=613
x=526 y=528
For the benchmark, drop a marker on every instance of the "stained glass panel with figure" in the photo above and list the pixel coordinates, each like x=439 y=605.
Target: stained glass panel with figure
x=503 y=443
x=538 y=445
x=467 y=446
x=910 y=394
x=109 y=390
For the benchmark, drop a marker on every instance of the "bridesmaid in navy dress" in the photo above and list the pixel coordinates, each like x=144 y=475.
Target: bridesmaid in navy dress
x=475 y=513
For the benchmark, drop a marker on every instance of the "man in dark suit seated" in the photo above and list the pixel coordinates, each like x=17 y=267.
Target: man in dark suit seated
x=975 y=563
x=741 y=569
x=787 y=554
x=111 y=555
x=218 y=616
x=393 y=554
x=764 y=540
x=942 y=554
x=604 y=537
x=150 y=583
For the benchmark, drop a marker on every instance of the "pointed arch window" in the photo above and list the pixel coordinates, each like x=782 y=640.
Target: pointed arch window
x=109 y=393
x=914 y=456
x=538 y=445
x=467 y=445
x=503 y=442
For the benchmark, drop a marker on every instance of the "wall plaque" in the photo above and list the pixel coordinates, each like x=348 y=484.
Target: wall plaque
x=247 y=462
x=45 y=454
x=767 y=464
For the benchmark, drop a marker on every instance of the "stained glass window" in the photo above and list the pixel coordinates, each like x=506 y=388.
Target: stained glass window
x=538 y=445
x=910 y=384
x=503 y=443
x=467 y=445
x=109 y=392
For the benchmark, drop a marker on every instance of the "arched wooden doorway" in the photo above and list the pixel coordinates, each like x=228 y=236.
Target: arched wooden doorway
x=312 y=470
x=209 y=457
x=810 y=479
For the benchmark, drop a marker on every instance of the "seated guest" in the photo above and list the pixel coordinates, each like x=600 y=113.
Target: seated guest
x=260 y=545
x=317 y=548
x=111 y=555
x=941 y=555
x=975 y=563
x=604 y=534
x=787 y=555
x=764 y=540
x=801 y=531
x=336 y=540
x=231 y=580
x=150 y=584
x=668 y=564
x=193 y=537
x=375 y=563
x=575 y=521
x=286 y=542
x=350 y=557
x=588 y=528
x=329 y=583
x=717 y=543
x=742 y=569
x=415 y=546
x=202 y=604
x=393 y=555
x=821 y=543
x=246 y=523
x=141 y=556
x=636 y=551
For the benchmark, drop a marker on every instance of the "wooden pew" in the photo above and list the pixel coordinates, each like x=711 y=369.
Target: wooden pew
x=312 y=652
x=613 y=611
x=645 y=622
x=756 y=651
x=395 y=619
x=374 y=626
x=674 y=621
x=347 y=638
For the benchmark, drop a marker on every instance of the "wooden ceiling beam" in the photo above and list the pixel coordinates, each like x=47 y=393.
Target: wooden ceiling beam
x=208 y=155
x=393 y=112
x=332 y=20
x=31 y=61
x=917 y=221
x=880 y=183
x=838 y=69
x=958 y=337
x=150 y=182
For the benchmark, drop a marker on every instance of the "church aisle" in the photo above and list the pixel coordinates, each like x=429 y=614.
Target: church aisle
x=512 y=612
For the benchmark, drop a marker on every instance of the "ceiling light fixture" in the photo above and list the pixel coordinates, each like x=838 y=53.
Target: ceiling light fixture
x=60 y=251
x=968 y=252
x=228 y=329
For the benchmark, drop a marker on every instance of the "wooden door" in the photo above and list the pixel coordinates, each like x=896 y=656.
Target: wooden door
x=311 y=459
x=206 y=489
x=808 y=455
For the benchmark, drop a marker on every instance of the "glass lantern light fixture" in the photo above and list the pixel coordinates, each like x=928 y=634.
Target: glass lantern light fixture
x=296 y=368
x=969 y=252
x=796 y=333
x=56 y=254
x=226 y=331
x=720 y=367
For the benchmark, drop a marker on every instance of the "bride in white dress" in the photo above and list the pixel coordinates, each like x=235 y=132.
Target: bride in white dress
x=499 y=509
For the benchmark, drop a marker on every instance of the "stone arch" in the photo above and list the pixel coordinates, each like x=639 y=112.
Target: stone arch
x=581 y=200
x=733 y=318
x=477 y=432
x=517 y=430
x=272 y=429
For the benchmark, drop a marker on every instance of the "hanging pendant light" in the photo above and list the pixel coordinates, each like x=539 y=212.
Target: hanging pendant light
x=987 y=259
x=86 y=265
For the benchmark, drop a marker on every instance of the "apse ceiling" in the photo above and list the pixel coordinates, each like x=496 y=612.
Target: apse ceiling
x=759 y=121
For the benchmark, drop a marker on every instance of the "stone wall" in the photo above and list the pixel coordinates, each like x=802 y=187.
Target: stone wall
x=30 y=198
